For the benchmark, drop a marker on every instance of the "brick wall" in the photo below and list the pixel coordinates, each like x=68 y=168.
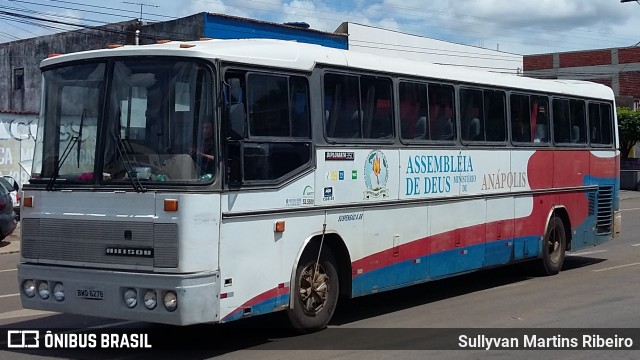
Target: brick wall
x=630 y=84
x=585 y=58
x=603 y=81
x=537 y=62
x=629 y=55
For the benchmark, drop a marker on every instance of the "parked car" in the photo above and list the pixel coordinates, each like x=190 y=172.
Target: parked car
x=8 y=218
x=11 y=185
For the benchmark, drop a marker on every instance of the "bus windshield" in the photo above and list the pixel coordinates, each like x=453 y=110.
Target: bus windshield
x=135 y=121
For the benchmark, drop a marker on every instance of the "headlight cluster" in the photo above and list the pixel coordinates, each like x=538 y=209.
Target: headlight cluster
x=150 y=298
x=47 y=289
x=32 y=287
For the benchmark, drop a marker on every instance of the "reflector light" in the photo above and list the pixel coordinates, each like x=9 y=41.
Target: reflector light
x=53 y=55
x=113 y=46
x=27 y=201
x=186 y=46
x=170 y=204
x=279 y=227
x=164 y=41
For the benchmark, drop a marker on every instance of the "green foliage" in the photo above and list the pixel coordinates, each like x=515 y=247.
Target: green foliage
x=629 y=129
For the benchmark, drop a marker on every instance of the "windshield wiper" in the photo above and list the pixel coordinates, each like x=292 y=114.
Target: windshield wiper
x=65 y=154
x=122 y=151
x=67 y=150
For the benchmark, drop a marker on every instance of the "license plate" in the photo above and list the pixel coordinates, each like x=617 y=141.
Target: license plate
x=90 y=293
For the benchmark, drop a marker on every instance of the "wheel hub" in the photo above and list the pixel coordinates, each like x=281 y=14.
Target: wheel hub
x=314 y=288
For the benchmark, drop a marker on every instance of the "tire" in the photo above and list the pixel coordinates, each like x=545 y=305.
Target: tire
x=314 y=306
x=553 y=248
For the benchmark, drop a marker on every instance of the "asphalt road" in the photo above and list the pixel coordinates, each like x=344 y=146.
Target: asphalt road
x=598 y=288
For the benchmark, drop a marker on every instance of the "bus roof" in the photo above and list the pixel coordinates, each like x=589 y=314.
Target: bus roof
x=304 y=57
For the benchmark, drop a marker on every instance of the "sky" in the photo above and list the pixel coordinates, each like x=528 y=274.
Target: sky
x=515 y=26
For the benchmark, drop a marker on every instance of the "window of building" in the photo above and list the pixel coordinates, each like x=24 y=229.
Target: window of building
x=18 y=79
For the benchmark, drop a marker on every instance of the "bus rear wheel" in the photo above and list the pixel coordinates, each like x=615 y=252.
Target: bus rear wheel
x=315 y=293
x=553 y=247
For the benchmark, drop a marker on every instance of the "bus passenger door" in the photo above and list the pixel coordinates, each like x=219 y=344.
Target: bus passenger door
x=500 y=231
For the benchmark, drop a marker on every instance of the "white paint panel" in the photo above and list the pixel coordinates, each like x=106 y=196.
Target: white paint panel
x=257 y=258
x=448 y=217
x=198 y=219
x=500 y=209
x=298 y=194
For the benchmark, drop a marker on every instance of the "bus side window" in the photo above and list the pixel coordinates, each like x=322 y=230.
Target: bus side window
x=600 y=123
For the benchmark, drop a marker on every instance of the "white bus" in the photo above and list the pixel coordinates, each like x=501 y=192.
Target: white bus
x=210 y=181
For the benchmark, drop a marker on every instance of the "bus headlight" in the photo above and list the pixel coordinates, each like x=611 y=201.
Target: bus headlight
x=131 y=298
x=29 y=288
x=170 y=300
x=58 y=291
x=43 y=290
x=150 y=299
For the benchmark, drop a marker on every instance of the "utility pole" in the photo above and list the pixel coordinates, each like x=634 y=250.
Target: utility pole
x=141 y=5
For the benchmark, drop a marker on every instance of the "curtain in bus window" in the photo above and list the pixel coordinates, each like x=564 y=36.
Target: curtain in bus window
x=600 y=124
x=606 y=124
x=471 y=115
x=539 y=122
x=561 y=121
x=520 y=119
x=578 y=122
x=414 y=114
x=342 y=94
x=376 y=107
x=442 y=112
x=496 y=124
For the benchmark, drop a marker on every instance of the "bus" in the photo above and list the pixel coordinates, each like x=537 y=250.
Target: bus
x=210 y=181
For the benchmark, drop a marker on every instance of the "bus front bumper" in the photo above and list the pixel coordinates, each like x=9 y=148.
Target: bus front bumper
x=101 y=293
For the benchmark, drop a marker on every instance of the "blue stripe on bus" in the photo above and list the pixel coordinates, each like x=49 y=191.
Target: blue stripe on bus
x=264 y=307
x=446 y=264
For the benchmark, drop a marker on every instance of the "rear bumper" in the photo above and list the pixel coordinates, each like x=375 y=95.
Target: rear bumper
x=197 y=294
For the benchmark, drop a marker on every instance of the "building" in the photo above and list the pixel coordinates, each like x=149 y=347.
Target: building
x=19 y=60
x=618 y=68
x=379 y=41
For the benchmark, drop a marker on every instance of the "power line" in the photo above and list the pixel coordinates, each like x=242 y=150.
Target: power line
x=141 y=5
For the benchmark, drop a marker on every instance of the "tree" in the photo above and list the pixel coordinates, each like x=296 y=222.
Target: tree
x=629 y=129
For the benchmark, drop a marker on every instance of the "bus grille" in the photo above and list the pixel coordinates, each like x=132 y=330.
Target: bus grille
x=605 y=210
x=86 y=241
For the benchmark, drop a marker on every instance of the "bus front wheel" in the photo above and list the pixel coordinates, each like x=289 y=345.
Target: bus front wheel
x=553 y=247
x=315 y=292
